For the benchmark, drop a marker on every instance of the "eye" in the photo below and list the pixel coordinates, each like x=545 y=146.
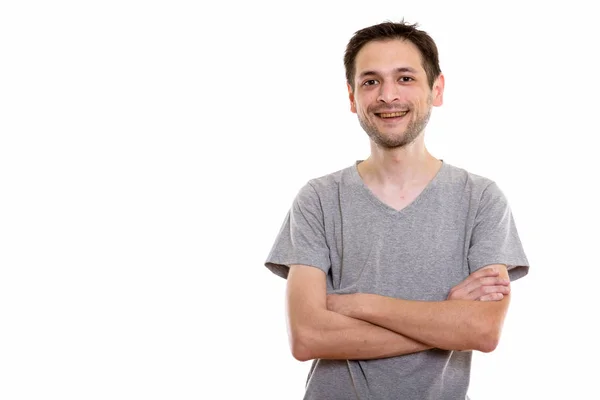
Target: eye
x=370 y=82
x=406 y=79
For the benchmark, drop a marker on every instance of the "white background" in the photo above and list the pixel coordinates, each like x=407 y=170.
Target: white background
x=150 y=150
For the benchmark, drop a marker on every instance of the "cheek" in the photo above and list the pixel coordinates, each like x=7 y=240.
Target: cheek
x=419 y=103
x=359 y=108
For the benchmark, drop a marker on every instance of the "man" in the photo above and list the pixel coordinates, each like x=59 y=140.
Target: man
x=399 y=266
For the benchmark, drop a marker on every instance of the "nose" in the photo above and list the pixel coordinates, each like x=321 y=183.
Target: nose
x=388 y=92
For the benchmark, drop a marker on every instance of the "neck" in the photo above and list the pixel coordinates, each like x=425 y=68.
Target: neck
x=400 y=167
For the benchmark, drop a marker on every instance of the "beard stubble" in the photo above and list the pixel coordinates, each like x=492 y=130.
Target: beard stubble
x=413 y=130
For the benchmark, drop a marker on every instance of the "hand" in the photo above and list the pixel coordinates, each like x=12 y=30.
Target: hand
x=483 y=285
x=342 y=303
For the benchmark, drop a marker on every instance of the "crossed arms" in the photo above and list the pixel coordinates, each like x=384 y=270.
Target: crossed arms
x=367 y=326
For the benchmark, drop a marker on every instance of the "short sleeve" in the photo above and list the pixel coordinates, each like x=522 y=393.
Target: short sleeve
x=494 y=238
x=301 y=239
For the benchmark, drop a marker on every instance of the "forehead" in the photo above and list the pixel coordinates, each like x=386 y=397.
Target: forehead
x=388 y=55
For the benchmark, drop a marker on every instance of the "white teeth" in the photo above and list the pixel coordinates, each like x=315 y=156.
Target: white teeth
x=391 y=115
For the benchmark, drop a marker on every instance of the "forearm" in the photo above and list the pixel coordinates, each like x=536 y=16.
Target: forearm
x=450 y=325
x=335 y=336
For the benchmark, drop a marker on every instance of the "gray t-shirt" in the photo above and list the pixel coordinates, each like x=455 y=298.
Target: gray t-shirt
x=459 y=223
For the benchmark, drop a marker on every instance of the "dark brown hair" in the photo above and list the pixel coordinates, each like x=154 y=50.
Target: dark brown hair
x=388 y=31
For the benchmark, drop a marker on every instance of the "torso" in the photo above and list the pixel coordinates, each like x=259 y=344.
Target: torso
x=408 y=244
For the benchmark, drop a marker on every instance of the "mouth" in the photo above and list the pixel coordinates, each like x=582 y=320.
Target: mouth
x=392 y=115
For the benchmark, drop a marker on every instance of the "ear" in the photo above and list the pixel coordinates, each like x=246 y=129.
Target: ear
x=351 y=97
x=437 y=92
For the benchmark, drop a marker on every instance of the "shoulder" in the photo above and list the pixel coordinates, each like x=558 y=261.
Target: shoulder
x=477 y=185
x=460 y=175
x=479 y=193
x=326 y=185
x=324 y=192
x=330 y=179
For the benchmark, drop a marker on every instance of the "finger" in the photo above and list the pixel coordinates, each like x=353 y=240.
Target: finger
x=473 y=284
x=470 y=294
x=462 y=295
x=481 y=273
x=486 y=281
x=478 y=292
x=485 y=290
x=492 y=297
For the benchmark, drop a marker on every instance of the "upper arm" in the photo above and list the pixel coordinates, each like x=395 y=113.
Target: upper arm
x=301 y=254
x=494 y=237
x=494 y=312
x=306 y=299
x=302 y=239
x=305 y=295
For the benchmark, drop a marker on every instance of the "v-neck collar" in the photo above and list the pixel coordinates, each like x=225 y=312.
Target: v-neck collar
x=366 y=192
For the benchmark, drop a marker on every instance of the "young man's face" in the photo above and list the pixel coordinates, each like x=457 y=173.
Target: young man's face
x=391 y=94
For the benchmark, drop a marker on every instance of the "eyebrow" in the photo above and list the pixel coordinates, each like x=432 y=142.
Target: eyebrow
x=401 y=70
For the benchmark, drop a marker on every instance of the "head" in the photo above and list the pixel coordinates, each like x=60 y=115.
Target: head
x=394 y=79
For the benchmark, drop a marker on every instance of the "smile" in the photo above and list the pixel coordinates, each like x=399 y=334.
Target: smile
x=392 y=115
